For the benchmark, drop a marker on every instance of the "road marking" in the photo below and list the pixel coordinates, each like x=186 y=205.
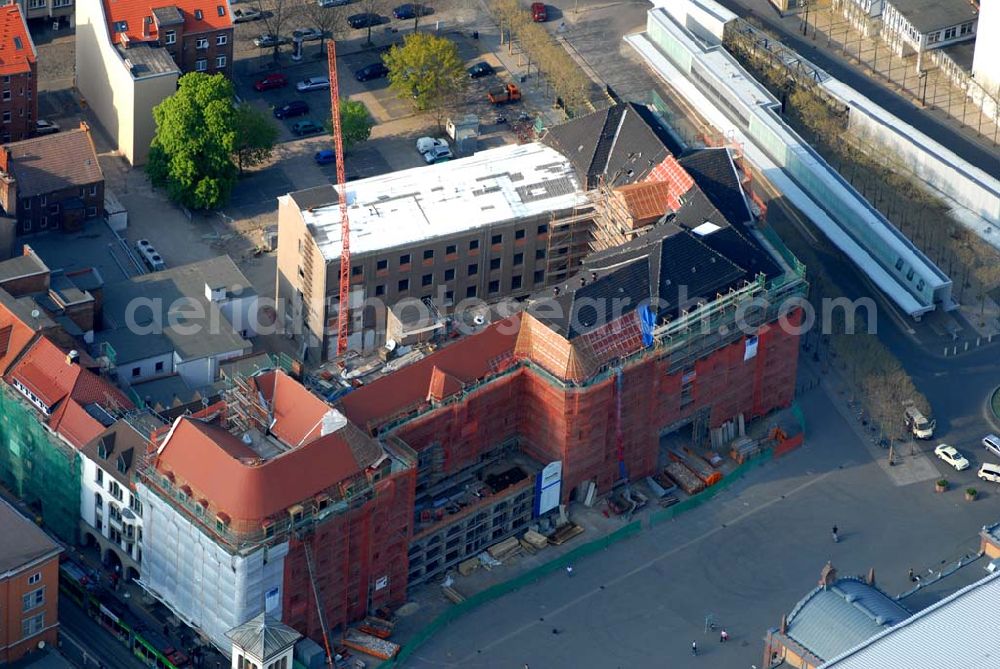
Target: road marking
x=813 y=481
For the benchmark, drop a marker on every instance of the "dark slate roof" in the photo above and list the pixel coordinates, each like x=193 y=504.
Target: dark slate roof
x=24 y=542
x=317 y=196
x=715 y=174
x=929 y=15
x=829 y=621
x=51 y=163
x=264 y=636
x=622 y=143
x=119 y=442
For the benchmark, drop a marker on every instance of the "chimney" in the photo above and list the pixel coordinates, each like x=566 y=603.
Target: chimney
x=73 y=357
x=84 y=126
x=5 y=159
x=215 y=294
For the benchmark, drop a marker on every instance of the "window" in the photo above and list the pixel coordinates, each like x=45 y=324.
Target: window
x=200 y=65
x=6 y=117
x=543 y=228
x=515 y=282
x=519 y=234
x=920 y=285
x=159 y=366
x=136 y=371
x=474 y=244
x=473 y=269
x=32 y=626
x=470 y=291
x=119 y=26
x=53 y=208
x=404 y=285
x=950 y=33
x=934 y=37
x=494 y=286
x=429 y=254
x=539 y=276
x=170 y=37
x=35 y=578
x=98 y=500
x=518 y=259
x=6 y=95
x=356 y=270
x=198 y=14
x=426 y=279
x=449 y=274
x=220 y=61
x=201 y=43
x=33 y=599
x=404 y=259
x=966 y=28
x=44 y=223
x=222 y=10
x=380 y=289
x=496 y=239
x=220 y=40
x=382 y=264
x=115 y=490
x=450 y=250
x=495 y=263
x=26 y=203
x=99 y=479
x=91 y=212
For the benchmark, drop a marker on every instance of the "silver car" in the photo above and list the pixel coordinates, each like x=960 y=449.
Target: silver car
x=313 y=84
x=332 y=3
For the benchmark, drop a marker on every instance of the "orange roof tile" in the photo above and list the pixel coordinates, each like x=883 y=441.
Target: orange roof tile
x=17 y=51
x=72 y=422
x=221 y=469
x=466 y=360
x=135 y=12
x=646 y=201
x=15 y=335
x=297 y=413
x=442 y=385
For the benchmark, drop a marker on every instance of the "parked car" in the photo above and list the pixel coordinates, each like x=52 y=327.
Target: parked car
x=989 y=472
x=244 y=14
x=364 y=20
x=265 y=40
x=306 y=127
x=332 y=3
x=308 y=34
x=991 y=443
x=539 y=14
x=411 y=10
x=290 y=109
x=325 y=157
x=950 y=455
x=481 y=69
x=373 y=71
x=313 y=84
x=425 y=144
x=43 y=127
x=270 y=82
x=438 y=154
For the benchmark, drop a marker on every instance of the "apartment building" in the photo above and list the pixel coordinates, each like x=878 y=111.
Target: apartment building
x=52 y=182
x=915 y=26
x=60 y=11
x=29 y=586
x=18 y=77
x=474 y=228
x=130 y=53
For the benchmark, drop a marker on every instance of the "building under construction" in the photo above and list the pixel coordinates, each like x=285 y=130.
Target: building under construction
x=688 y=324
x=270 y=500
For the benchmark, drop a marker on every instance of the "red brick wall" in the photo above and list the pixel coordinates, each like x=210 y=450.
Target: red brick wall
x=18 y=114
x=12 y=647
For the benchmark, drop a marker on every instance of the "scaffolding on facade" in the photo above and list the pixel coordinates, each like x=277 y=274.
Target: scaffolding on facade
x=569 y=240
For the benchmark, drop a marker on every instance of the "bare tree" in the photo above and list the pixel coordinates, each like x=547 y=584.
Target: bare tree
x=275 y=14
x=372 y=7
x=330 y=21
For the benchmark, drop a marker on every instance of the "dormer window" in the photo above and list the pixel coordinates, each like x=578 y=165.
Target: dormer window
x=198 y=15
x=120 y=26
x=222 y=10
x=121 y=464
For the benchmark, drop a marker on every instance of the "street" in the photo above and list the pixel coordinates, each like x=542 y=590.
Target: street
x=90 y=645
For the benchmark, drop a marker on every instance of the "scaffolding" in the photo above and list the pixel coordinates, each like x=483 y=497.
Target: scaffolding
x=569 y=240
x=38 y=467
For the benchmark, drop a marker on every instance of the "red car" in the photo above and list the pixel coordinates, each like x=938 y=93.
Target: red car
x=538 y=13
x=275 y=80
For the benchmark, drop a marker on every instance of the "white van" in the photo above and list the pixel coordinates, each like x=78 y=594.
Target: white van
x=992 y=444
x=990 y=473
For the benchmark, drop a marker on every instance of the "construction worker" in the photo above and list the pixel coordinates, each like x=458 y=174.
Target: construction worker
x=694 y=647
x=569 y=570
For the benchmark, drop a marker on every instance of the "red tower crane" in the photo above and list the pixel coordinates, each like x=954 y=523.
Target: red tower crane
x=345 y=227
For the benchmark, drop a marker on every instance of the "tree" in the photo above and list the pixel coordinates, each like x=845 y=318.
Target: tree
x=256 y=134
x=330 y=21
x=371 y=7
x=275 y=14
x=355 y=123
x=191 y=152
x=427 y=70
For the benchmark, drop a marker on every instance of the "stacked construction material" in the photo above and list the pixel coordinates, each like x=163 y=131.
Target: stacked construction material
x=370 y=645
x=377 y=627
x=505 y=550
x=686 y=479
x=565 y=533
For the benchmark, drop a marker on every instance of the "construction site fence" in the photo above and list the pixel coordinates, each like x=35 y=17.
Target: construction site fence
x=501 y=589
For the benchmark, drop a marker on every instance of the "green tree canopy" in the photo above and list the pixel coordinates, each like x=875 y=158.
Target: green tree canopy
x=256 y=134
x=191 y=154
x=427 y=70
x=355 y=123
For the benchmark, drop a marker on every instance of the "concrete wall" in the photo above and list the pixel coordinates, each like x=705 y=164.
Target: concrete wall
x=294 y=245
x=147 y=368
x=241 y=312
x=123 y=105
x=203 y=371
x=986 y=60
x=197 y=579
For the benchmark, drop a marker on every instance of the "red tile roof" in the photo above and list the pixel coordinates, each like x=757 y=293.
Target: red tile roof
x=201 y=453
x=464 y=361
x=14 y=59
x=16 y=335
x=135 y=12
x=297 y=413
x=72 y=422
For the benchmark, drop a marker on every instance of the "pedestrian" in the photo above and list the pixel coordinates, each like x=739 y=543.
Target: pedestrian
x=694 y=647
x=913 y=578
x=569 y=570
x=836 y=539
x=723 y=636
